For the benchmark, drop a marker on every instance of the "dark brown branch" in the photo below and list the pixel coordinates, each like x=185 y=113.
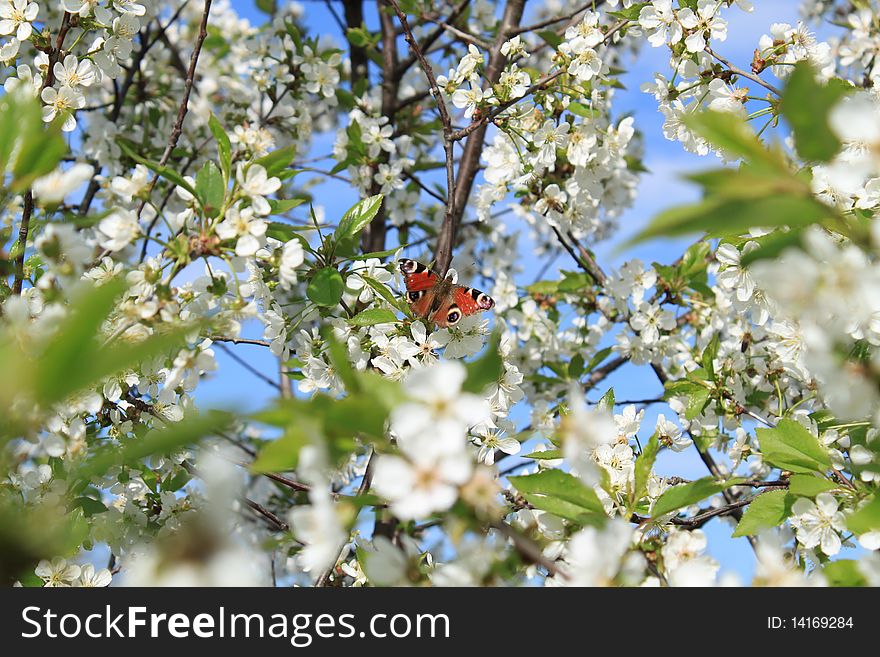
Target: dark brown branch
x=462 y=35
x=354 y=18
x=423 y=186
x=703 y=517
x=274 y=520
x=261 y=343
x=28 y=203
x=527 y=548
x=21 y=246
x=599 y=374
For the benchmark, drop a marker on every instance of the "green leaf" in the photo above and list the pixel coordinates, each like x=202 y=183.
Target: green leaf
x=598 y=358
x=731 y=133
x=547 y=454
x=383 y=291
x=789 y=446
x=282 y=206
x=806 y=104
x=606 y=402
x=285 y=232
x=844 y=572
x=643 y=468
x=89 y=506
x=486 y=369
x=354 y=415
x=169 y=174
x=582 y=110
x=767 y=510
x=210 y=188
x=722 y=217
x=865 y=519
x=358 y=216
x=543 y=288
x=267 y=6
x=164 y=441
x=60 y=365
x=697 y=395
x=709 y=355
x=283 y=453
x=379 y=254
x=359 y=37
x=373 y=316
x=550 y=38
x=804 y=485
x=772 y=245
x=278 y=160
x=630 y=13
x=687 y=494
x=326 y=287
x=576 y=366
x=338 y=353
x=77 y=357
x=559 y=493
x=224 y=146
x=27 y=145
x=38 y=154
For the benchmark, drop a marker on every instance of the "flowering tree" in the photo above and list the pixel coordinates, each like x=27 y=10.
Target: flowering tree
x=158 y=162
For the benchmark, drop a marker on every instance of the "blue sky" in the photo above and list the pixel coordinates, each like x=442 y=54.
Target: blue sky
x=660 y=188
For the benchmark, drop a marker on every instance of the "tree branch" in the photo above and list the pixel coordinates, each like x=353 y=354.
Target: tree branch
x=122 y=92
x=28 y=203
x=250 y=368
x=429 y=40
x=445 y=119
x=473 y=148
x=745 y=74
x=527 y=548
x=182 y=110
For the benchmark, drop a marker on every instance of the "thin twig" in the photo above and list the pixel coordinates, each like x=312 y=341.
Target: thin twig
x=250 y=368
x=425 y=45
x=364 y=487
x=744 y=74
x=557 y=19
x=274 y=520
x=177 y=130
x=147 y=42
x=261 y=343
x=473 y=148
x=527 y=548
x=445 y=119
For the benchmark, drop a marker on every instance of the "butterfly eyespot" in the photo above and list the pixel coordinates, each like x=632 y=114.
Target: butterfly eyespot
x=485 y=301
x=408 y=266
x=452 y=317
x=414 y=296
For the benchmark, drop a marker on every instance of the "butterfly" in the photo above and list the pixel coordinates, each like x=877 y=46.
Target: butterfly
x=438 y=299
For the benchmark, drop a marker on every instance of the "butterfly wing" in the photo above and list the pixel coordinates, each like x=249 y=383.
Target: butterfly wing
x=421 y=283
x=461 y=302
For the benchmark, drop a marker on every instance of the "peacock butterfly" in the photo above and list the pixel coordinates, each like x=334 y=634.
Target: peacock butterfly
x=438 y=299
